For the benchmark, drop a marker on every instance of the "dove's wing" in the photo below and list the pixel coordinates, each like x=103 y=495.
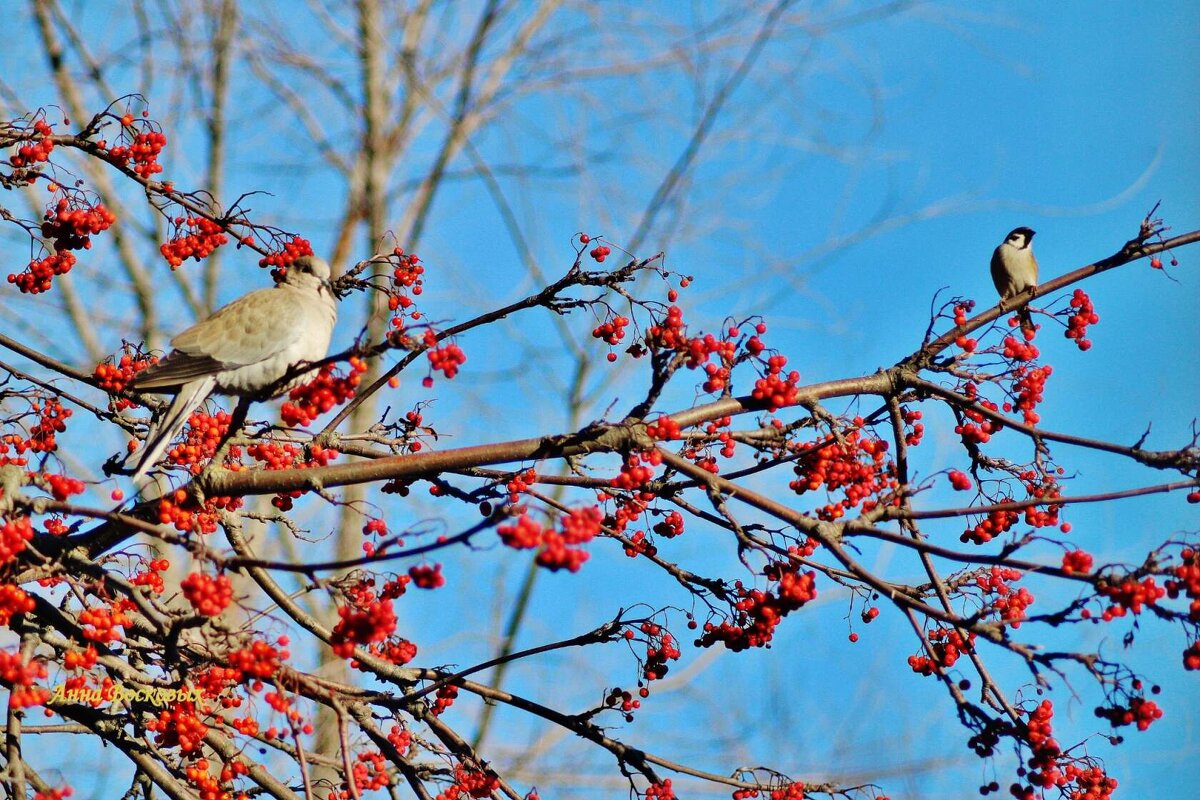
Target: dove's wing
x=250 y=330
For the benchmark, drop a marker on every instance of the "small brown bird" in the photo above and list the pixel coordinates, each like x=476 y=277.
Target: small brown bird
x=1015 y=269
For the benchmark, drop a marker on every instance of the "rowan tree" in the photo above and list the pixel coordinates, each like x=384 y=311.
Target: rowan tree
x=245 y=626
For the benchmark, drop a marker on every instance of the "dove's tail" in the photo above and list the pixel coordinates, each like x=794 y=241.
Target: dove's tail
x=190 y=396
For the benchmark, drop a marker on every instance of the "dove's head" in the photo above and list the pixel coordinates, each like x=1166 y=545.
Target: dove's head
x=308 y=271
x=311 y=265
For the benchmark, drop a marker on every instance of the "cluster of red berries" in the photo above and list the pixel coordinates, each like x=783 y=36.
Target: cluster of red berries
x=401 y=738
x=208 y=594
x=373 y=621
x=324 y=392
x=52 y=419
x=1043 y=487
x=143 y=151
x=1046 y=750
x=394 y=650
x=1129 y=594
x=640 y=545
x=1020 y=351
x=1008 y=604
x=717 y=376
x=260 y=661
x=857 y=466
x=1186 y=580
x=524 y=534
x=209 y=786
x=427 y=576
x=947 y=645
x=378 y=528
x=757 y=613
x=1140 y=712
x=58 y=793
x=72 y=224
x=612 y=330
x=1091 y=782
x=558 y=549
x=519 y=484
x=977 y=429
x=182 y=512
x=202 y=239
x=406 y=277
x=13 y=600
x=101 y=623
x=600 y=252
x=62 y=486
x=776 y=390
x=443 y=698
x=18 y=445
x=39 y=274
x=21 y=676
x=1077 y=562
x=1191 y=657
x=1027 y=387
x=1083 y=314
x=83 y=659
x=470 y=783
x=202 y=435
x=637 y=470
x=445 y=359
x=114 y=375
x=669 y=526
x=14 y=535
x=408 y=271
x=178 y=726
x=38 y=148
x=961 y=310
x=623 y=699
x=285 y=455
x=669 y=334
x=660 y=791
x=215 y=681
x=995 y=523
x=959 y=481
x=370 y=774
x=914 y=428
x=280 y=260
x=660 y=649
x=375 y=527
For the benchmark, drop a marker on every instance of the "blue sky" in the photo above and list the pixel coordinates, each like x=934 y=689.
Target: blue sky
x=936 y=131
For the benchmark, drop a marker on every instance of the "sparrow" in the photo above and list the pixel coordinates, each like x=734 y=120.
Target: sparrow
x=1015 y=269
x=242 y=349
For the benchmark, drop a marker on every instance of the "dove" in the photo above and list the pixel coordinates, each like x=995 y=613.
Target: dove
x=243 y=349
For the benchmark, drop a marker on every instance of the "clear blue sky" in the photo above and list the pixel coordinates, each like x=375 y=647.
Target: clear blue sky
x=934 y=132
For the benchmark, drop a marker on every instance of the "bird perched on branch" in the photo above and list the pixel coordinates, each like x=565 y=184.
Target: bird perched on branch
x=243 y=349
x=1015 y=269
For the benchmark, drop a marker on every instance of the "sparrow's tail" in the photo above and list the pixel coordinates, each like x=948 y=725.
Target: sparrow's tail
x=1025 y=318
x=190 y=396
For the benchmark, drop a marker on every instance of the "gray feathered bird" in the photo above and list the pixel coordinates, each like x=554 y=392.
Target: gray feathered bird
x=242 y=349
x=1015 y=269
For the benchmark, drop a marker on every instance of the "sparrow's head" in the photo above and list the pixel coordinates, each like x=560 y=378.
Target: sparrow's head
x=1020 y=238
